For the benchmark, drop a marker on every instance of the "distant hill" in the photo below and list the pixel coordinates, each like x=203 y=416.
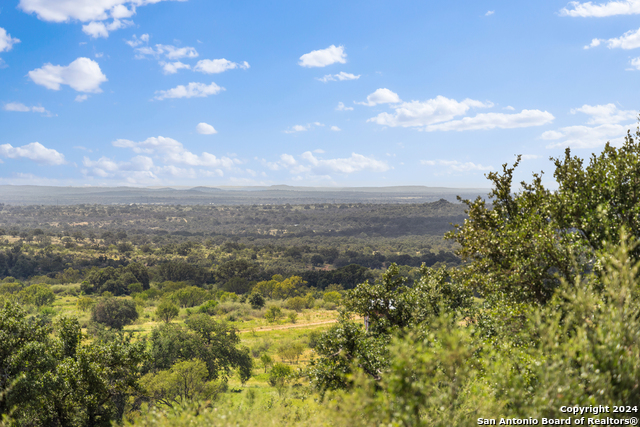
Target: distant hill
x=276 y=194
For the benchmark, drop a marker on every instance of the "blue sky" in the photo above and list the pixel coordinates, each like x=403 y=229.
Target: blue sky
x=357 y=93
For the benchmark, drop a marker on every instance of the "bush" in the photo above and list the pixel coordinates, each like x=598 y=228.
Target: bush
x=85 y=303
x=296 y=303
x=38 y=295
x=208 y=307
x=167 y=311
x=115 y=312
x=273 y=314
x=279 y=374
x=256 y=300
x=190 y=296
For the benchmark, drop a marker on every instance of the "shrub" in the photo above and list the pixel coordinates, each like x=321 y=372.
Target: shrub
x=38 y=295
x=85 y=303
x=296 y=303
x=114 y=312
x=273 y=314
x=167 y=311
x=256 y=300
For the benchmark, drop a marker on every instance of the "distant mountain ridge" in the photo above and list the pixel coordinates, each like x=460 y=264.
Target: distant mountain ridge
x=226 y=195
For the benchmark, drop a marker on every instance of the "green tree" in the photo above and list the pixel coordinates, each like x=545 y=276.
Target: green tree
x=38 y=295
x=256 y=300
x=114 y=312
x=273 y=314
x=190 y=296
x=84 y=303
x=49 y=377
x=215 y=343
x=184 y=382
x=166 y=311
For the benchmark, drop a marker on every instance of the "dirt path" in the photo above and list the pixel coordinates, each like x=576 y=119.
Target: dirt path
x=302 y=325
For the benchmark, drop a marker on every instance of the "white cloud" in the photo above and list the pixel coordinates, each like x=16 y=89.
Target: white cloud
x=173 y=67
x=83 y=75
x=486 y=121
x=168 y=51
x=205 y=129
x=605 y=114
x=33 y=151
x=323 y=57
x=629 y=40
x=135 y=42
x=355 y=163
x=92 y=11
x=6 y=41
x=335 y=128
x=97 y=29
x=635 y=62
x=192 y=90
x=173 y=152
x=457 y=166
x=611 y=8
x=490 y=12
x=416 y=113
x=509 y=108
x=215 y=66
x=341 y=76
x=302 y=128
x=81 y=98
x=20 y=107
x=341 y=107
x=586 y=136
x=381 y=96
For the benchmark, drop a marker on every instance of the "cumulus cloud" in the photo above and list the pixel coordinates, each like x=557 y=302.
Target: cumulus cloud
x=335 y=128
x=173 y=67
x=341 y=76
x=355 y=163
x=6 y=41
x=173 y=152
x=417 y=113
x=81 y=98
x=92 y=11
x=205 y=129
x=381 y=96
x=82 y=75
x=457 y=166
x=635 y=62
x=629 y=40
x=166 y=50
x=135 y=42
x=607 y=119
x=585 y=136
x=215 y=66
x=323 y=57
x=490 y=12
x=302 y=128
x=611 y=8
x=192 y=90
x=20 y=107
x=97 y=29
x=310 y=164
x=33 y=151
x=486 y=121
x=341 y=107
x=605 y=114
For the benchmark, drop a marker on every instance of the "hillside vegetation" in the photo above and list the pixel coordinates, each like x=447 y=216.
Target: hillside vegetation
x=338 y=319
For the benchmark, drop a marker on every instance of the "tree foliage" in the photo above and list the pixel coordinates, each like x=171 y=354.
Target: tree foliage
x=114 y=312
x=215 y=343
